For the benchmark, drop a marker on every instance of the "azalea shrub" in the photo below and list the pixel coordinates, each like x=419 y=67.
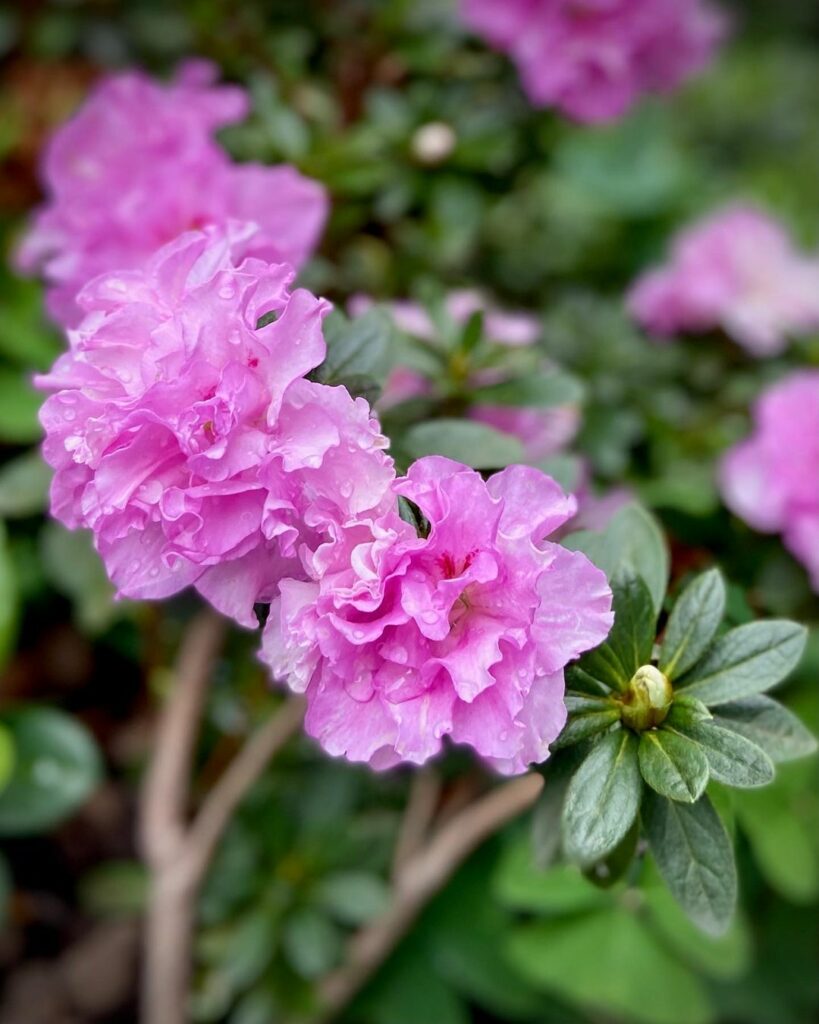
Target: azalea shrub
x=409 y=551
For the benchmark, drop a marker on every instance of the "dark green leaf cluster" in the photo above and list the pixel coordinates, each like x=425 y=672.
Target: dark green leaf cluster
x=650 y=724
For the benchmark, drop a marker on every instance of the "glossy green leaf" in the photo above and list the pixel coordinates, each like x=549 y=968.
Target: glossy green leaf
x=56 y=768
x=467 y=441
x=695 y=857
x=588 y=716
x=8 y=598
x=747 y=660
x=732 y=759
x=311 y=943
x=724 y=957
x=673 y=765
x=781 y=822
x=352 y=897
x=629 y=644
x=537 y=389
x=520 y=884
x=356 y=348
x=607 y=963
x=7 y=755
x=769 y=725
x=602 y=798
x=19 y=406
x=632 y=542
x=693 y=623
x=24 y=483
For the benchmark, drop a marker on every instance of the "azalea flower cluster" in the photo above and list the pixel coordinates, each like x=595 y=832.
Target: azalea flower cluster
x=770 y=479
x=594 y=58
x=185 y=433
x=138 y=165
x=736 y=270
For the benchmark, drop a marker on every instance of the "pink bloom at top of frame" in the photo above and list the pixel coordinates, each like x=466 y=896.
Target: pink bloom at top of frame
x=594 y=58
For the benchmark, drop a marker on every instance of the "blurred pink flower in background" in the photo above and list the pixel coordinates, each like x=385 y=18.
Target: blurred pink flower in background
x=736 y=270
x=138 y=164
x=543 y=432
x=771 y=480
x=594 y=58
x=401 y=640
x=186 y=437
x=500 y=325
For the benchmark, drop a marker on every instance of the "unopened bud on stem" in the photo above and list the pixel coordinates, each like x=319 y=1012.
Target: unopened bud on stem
x=647 y=700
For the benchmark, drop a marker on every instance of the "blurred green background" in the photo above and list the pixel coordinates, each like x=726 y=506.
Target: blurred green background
x=550 y=217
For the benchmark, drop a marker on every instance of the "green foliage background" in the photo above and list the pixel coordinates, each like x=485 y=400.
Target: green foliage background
x=551 y=217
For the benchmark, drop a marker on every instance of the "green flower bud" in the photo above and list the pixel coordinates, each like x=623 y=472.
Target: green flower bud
x=647 y=700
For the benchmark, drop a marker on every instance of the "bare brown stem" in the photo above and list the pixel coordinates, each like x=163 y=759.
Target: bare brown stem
x=422 y=877
x=169 y=924
x=244 y=770
x=178 y=854
x=424 y=794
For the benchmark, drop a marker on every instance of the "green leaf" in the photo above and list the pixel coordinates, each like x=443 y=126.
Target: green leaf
x=732 y=759
x=24 y=483
x=687 y=709
x=588 y=716
x=352 y=897
x=536 y=389
x=725 y=957
x=7 y=755
x=311 y=943
x=467 y=441
x=693 y=623
x=57 y=766
x=409 y=990
x=695 y=857
x=607 y=963
x=114 y=889
x=673 y=765
x=781 y=822
x=747 y=660
x=9 y=598
x=548 y=810
x=769 y=725
x=602 y=799
x=356 y=348
x=631 y=542
x=629 y=644
x=19 y=406
x=76 y=570
x=520 y=885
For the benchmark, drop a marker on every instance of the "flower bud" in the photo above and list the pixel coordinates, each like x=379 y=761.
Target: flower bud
x=432 y=143
x=647 y=700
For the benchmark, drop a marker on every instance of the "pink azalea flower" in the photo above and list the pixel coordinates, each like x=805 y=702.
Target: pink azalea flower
x=736 y=270
x=594 y=58
x=400 y=640
x=771 y=480
x=138 y=165
x=543 y=432
x=186 y=437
